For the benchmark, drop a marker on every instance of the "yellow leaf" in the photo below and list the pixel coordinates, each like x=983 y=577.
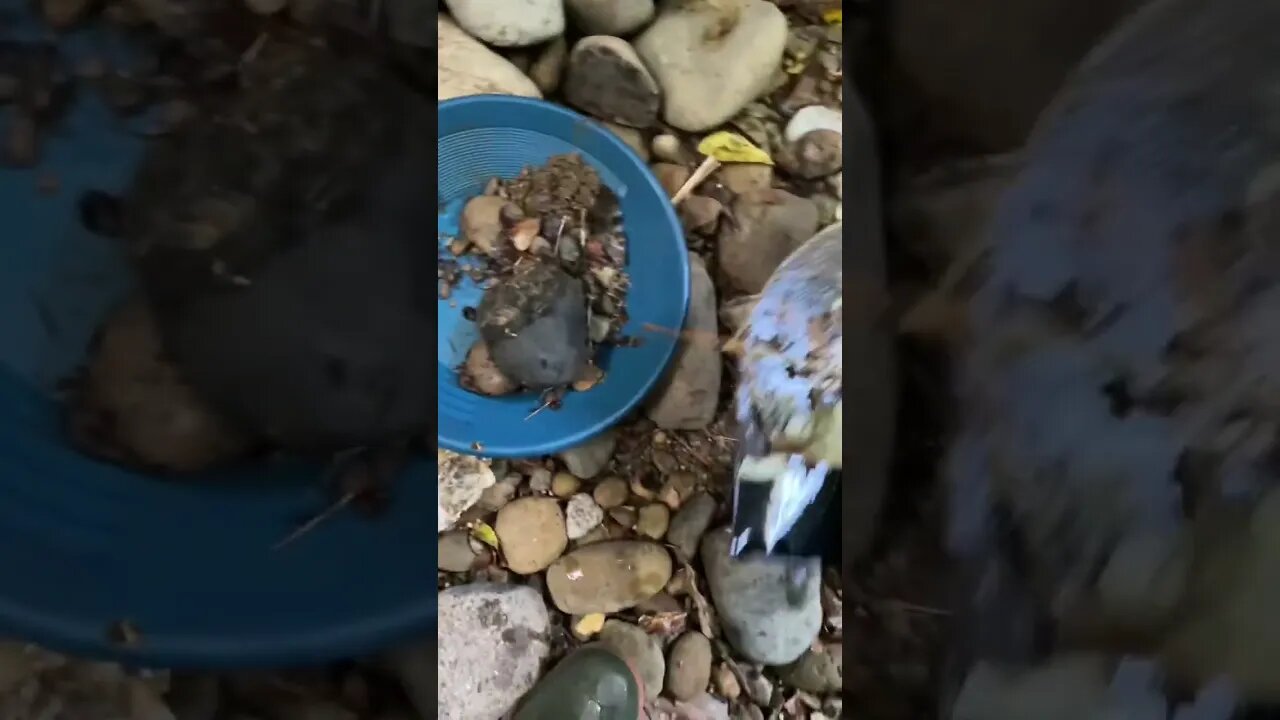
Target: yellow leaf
x=589 y=625
x=793 y=67
x=485 y=534
x=731 y=147
x=833 y=17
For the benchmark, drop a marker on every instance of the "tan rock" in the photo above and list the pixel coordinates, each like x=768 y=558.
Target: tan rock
x=467 y=67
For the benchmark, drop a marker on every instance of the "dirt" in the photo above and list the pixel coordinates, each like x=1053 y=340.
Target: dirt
x=559 y=215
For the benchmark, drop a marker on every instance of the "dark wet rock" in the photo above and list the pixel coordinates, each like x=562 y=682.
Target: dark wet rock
x=606 y=78
x=535 y=323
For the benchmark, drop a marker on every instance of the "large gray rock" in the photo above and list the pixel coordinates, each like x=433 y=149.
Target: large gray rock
x=709 y=64
x=491 y=642
x=687 y=398
x=506 y=24
x=750 y=592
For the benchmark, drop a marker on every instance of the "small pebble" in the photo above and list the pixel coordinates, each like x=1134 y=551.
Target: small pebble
x=565 y=485
x=666 y=148
x=759 y=687
x=587 y=626
x=481 y=224
x=482 y=374
x=665 y=462
x=493 y=574
x=540 y=481
x=532 y=533
x=454 y=552
x=588 y=459
x=641 y=489
x=690 y=523
x=611 y=492
x=496 y=496
x=726 y=682
x=653 y=520
x=677 y=488
x=548 y=69
x=462 y=481
x=689 y=669
x=581 y=515
x=816 y=154
x=814 y=117
x=679 y=584
x=625 y=516
x=817 y=671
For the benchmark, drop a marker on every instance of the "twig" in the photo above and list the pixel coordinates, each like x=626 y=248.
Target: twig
x=320 y=517
x=546 y=404
x=702 y=609
x=918 y=609
x=695 y=452
x=251 y=53
x=703 y=171
x=559 y=233
x=699 y=336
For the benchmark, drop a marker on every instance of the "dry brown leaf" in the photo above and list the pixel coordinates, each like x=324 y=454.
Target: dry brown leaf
x=666 y=624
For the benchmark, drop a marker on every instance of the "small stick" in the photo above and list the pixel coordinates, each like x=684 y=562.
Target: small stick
x=696 y=336
x=702 y=172
x=251 y=53
x=320 y=517
x=538 y=409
